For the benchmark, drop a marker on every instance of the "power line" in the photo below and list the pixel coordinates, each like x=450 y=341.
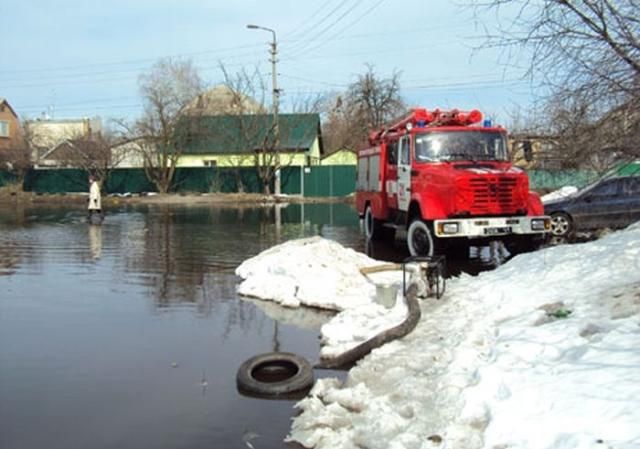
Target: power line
x=128 y=62
x=241 y=56
x=84 y=102
x=328 y=27
x=77 y=108
x=462 y=85
x=308 y=19
x=138 y=70
x=314 y=81
x=359 y=18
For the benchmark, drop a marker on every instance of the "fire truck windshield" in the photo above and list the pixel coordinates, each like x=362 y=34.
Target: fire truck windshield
x=460 y=145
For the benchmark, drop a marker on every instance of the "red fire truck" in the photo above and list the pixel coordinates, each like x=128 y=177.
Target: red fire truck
x=446 y=179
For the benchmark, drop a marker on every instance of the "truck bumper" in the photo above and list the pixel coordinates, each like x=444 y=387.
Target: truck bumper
x=491 y=227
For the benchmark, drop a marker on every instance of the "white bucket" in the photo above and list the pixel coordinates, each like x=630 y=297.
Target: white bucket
x=386 y=295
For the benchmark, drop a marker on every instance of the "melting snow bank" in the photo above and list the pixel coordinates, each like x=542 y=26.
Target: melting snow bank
x=543 y=352
x=313 y=271
x=322 y=273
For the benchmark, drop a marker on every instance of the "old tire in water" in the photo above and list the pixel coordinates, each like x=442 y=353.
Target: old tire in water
x=274 y=374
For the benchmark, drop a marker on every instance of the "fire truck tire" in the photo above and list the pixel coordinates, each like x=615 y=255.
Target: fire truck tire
x=420 y=239
x=373 y=228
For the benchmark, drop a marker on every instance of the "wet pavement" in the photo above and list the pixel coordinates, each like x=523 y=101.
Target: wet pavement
x=129 y=334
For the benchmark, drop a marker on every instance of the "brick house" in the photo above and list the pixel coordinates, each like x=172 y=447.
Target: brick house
x=9 y=126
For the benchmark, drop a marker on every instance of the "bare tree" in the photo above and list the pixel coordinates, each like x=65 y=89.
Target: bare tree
x=166 y=90
x=91 y=153
x=243 y=86
x=376 y=100
x=256 y=128
x=587 y=55
x=583 y=45
x=368 y=103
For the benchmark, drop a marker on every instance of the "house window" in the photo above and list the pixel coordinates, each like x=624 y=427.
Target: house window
x=210 y=162
x=4 y=128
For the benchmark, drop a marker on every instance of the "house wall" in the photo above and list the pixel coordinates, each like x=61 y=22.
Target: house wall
x=342 y=157
x=46 y=134
x=7 y=115
x=314 y=151
x=312 y=157
x=128 y=155
x=236 y=160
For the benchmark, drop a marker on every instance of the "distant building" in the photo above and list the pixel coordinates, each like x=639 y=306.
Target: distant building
x=222 y=100
x=46 y=134
x=129 y=154
x=9 y=126
x=234 y=140
x=340 y=157
x=75 y=153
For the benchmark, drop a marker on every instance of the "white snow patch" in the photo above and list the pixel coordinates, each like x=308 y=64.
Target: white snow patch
x=561 y=193
x=314 y=272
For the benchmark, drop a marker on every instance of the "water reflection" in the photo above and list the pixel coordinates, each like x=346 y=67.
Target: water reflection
x=95 y=241
x=129 y=334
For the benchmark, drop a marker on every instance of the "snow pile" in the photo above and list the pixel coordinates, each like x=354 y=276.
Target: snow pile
x=322 y=273
x=560 y=194
x=543 y=352
x=314 y=271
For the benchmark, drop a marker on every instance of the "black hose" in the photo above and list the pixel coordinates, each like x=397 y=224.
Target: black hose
x=348 y=358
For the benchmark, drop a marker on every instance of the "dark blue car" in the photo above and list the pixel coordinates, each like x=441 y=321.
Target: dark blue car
x=610 y=203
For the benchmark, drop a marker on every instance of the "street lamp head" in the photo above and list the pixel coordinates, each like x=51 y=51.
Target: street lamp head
x=258 y=27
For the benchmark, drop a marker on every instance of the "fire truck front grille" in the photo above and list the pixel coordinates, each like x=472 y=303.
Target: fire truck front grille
x=494 y=195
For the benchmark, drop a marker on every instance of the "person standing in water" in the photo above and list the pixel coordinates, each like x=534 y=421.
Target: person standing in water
x=95 y=201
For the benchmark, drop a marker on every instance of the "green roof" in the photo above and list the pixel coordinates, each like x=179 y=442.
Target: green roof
x=233 y=134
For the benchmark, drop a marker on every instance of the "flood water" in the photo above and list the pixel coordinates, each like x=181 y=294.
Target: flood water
x=129 y=334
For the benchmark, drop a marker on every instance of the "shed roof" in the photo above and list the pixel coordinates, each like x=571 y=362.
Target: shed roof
x=234 y=134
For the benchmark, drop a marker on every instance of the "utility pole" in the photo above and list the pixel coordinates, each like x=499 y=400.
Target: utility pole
x=275 y=100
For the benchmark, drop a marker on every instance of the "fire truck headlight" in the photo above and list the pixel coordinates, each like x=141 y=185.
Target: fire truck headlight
x=448 y=228
x=539 y=224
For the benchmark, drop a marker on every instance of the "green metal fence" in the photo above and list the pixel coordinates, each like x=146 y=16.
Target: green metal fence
x=551 y=180
x=313 y=181
x=6 y=178
x=319 y=180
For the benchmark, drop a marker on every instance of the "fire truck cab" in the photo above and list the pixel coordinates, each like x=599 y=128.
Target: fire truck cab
x=447 y=181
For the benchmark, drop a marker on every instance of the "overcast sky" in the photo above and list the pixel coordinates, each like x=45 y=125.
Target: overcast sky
x=82 y=58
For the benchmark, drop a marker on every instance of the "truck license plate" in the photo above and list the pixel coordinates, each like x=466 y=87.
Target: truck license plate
x=497 y=230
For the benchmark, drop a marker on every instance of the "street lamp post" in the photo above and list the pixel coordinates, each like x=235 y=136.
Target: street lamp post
x=275 y=101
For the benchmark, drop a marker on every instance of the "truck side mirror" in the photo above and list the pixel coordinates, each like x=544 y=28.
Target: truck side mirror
x=527 y=150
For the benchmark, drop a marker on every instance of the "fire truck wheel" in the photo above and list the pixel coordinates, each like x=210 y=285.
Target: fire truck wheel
x=373 y=228
x=420 y=239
